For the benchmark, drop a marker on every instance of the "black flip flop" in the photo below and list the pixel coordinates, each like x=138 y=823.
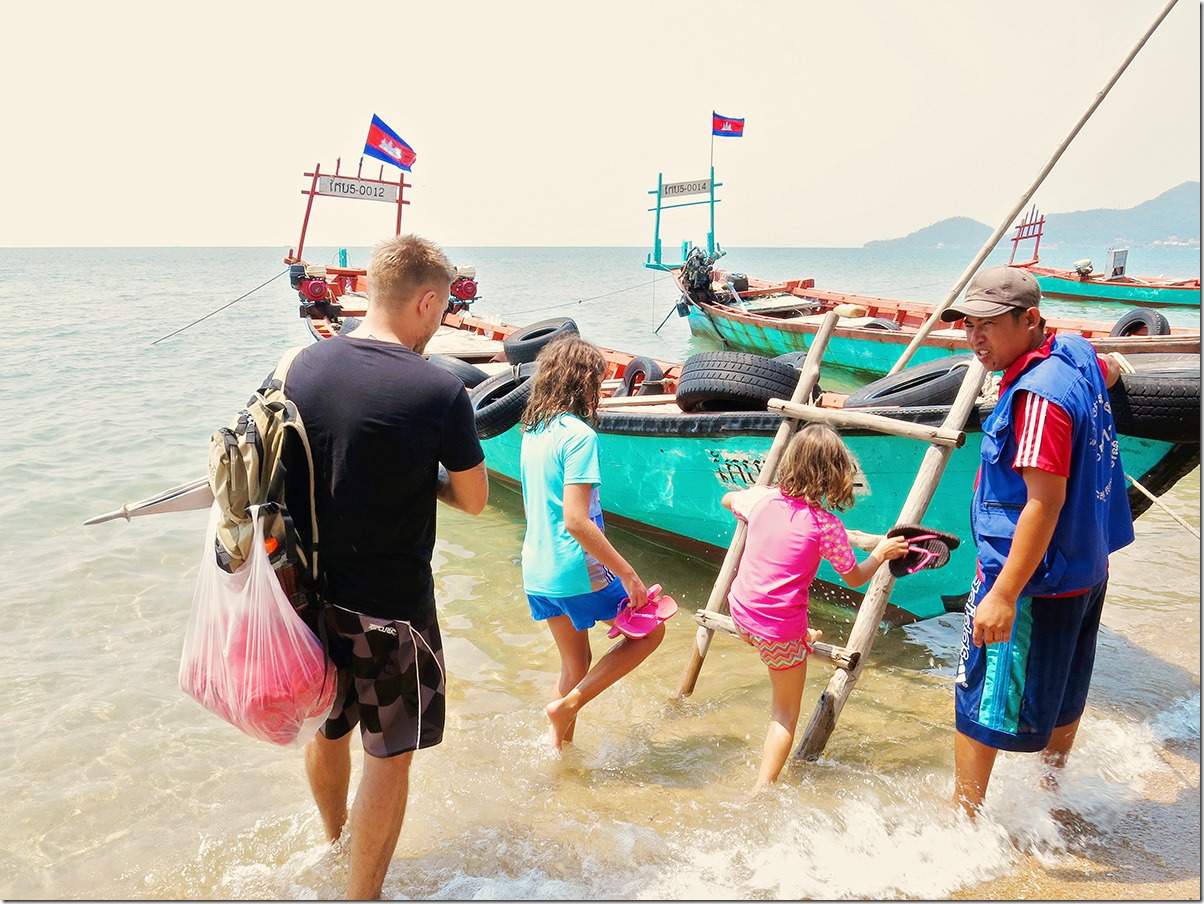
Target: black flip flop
x=927 y=548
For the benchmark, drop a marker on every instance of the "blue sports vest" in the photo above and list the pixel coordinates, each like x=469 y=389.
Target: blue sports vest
x=1095 y=519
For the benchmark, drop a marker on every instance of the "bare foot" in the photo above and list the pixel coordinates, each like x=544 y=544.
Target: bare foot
x=562 y=718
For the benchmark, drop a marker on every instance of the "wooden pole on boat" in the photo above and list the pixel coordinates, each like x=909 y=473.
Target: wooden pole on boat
x=309 y=206
x=717 y=602
x=873 y=606
x=989 y=245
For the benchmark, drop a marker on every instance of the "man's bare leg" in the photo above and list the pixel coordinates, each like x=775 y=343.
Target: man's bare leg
x=376 y=817
x=328 y=766
x=972 y=764
x=1056 y=752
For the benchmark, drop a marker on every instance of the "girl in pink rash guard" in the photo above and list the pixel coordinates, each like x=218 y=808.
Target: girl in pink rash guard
x=791 y=527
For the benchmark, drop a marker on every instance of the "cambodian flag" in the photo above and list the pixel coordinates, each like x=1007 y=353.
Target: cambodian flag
x=726 y=126
x=385 y=144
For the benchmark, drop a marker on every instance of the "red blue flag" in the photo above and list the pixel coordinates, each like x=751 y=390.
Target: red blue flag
x=385 y=144
x=726 y=126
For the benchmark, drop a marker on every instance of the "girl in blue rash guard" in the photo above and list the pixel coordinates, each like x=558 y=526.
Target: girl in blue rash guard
x=573 y=577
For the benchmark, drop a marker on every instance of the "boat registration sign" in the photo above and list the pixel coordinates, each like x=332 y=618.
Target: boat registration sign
x=364 y=189
x=677 y=189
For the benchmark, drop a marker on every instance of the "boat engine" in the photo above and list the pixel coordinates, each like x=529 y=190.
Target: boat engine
x=316 y=301
x=696 y=270
x=463 y=290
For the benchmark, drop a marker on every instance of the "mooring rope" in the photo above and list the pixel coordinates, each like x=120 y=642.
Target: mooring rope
x=561 y=304
x=1166 y=509
x=222 y=308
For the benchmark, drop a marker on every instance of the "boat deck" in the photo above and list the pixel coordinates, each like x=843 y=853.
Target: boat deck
x=464 y=345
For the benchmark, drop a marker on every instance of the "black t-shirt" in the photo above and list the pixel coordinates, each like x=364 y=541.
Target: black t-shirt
x=380 y=420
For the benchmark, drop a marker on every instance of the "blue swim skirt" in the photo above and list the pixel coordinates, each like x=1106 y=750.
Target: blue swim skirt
x=584 y=610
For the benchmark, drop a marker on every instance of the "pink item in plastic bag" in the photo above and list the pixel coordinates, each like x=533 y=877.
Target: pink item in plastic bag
x=247 y=655
x=637 y=622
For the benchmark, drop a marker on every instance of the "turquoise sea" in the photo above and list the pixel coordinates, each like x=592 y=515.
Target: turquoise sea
x=117 y=785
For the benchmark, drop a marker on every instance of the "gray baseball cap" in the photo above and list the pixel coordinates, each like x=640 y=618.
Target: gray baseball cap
x=996 y=291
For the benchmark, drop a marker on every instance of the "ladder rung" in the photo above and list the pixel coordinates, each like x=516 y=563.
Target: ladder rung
x=834 y=417
x=839 y=656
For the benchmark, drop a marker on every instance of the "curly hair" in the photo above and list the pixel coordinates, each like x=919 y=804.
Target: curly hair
x=818 y=467
x=569 y=380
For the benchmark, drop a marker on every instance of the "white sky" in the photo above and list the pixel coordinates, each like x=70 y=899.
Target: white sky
x=545 y=123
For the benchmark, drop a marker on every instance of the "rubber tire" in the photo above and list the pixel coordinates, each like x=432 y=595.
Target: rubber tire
x=468 y=374
x=523 y=346
x=649 y=374
x=794 y=359
x=797 y=360
x=1158 y=406
x=881 y=323
x=499 y=401
x=1153 y=321
x=934 y=383
x=733 y=381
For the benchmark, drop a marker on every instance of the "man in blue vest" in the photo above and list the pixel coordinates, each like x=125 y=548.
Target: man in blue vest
x=1049 y=506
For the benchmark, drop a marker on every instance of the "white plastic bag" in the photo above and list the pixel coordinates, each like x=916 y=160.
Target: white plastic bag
x=248 y=656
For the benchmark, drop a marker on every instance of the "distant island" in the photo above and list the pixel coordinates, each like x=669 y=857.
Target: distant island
x=1172 y=218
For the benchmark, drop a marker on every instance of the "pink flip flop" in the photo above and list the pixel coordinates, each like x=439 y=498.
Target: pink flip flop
x=638 y=622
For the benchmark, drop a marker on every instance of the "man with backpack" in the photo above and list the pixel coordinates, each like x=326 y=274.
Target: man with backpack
x=390 y=434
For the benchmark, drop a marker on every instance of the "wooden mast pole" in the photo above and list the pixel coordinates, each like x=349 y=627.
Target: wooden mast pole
x=309 y=206
x=717 y=602
x=989 y=245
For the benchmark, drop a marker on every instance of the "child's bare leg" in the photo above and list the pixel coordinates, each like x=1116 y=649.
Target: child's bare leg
x=787 y=688
x=618 y=661
x=575 y=659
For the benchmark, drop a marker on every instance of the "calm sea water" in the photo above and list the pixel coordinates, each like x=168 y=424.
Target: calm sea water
x=116 y=785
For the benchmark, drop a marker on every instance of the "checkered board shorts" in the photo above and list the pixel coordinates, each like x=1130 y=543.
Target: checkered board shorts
x=391 y=682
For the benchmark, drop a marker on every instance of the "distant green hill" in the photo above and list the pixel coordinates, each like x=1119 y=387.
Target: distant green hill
x=1173 y=216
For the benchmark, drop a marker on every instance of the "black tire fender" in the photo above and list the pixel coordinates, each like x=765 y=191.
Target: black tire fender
x=1158 y=406
x=797 y=360
x=468 y=374
x=642 y=376
x=499 y=401
x=1132 y=323
x=933 y=383
x=881 y=323
x=524 y=345
x=733 y=381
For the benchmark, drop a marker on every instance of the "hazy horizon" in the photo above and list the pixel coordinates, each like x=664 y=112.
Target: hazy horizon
x=544 y=126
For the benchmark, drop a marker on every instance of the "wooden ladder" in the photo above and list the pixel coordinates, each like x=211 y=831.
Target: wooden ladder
x=851 y=658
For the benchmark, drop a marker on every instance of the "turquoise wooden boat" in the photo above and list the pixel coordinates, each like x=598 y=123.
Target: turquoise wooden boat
x=1083 y=283
x=664 y=474
x=774 y=318
x=1138 y=291
x=665 y=471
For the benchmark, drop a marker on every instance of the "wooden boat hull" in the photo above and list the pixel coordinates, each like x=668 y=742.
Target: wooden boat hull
x=1146 y=293
x=664 y=479
x=765 y=324
x=664 y=473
